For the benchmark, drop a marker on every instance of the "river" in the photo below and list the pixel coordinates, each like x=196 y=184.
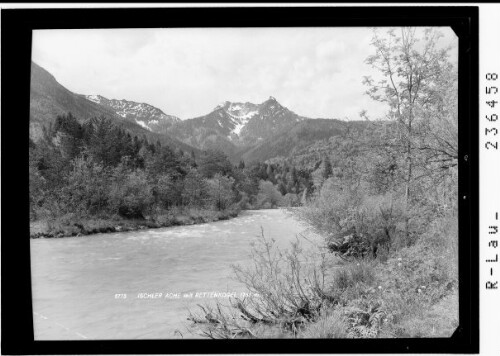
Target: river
x=90 y=287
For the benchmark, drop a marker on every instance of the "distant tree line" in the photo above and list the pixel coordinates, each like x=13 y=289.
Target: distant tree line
x=96 y=168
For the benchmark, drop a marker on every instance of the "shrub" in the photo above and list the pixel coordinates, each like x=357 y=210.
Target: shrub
x=195 y=191
x=132 y=197
x=221 y=191
x=290 y=285
x=351 y=246
x=290 y=290
x=354 y=227
x=290 y=200
x=268 y=195
x=87 y=189
x=244 y=202
x=328 y=212
x=165 y=191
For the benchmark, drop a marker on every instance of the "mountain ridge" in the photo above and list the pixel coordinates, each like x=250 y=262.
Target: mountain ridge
x=49 y=99
x=242 y=130
x=234 y=126
x=146 y=115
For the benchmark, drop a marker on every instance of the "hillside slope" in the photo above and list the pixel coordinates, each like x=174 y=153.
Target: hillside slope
x=48 y=99
x=289 y=142
x=234 y=126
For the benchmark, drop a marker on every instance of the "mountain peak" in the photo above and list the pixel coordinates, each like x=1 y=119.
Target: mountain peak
x=96 y=98
x=272 y=103
x=222 y=105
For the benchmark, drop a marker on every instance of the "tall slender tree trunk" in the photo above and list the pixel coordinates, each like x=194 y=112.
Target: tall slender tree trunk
x=408 y=180
x=407 y=200
x=219 y=202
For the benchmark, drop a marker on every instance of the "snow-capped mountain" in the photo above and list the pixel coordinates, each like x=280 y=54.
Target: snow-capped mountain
x=243 y=130
x=233 y=125
x=239 y=114
x=148 y=116
x=272 y=118
x=258 y=120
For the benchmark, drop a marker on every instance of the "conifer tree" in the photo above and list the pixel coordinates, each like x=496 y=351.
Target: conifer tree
x=327 y=168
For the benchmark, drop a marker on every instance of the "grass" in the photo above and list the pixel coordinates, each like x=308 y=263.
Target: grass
x=330 y=325
x=353 y=274
x=441 y=320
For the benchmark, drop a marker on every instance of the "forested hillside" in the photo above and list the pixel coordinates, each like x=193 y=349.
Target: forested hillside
x=91 y=176
x=49 y=99
x=289 y=142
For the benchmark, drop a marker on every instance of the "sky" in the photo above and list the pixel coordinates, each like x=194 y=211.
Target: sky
x=315 y=72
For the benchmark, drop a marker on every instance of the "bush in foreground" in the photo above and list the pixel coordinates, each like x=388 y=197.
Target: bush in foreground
x=290 y=285
x=411 y=294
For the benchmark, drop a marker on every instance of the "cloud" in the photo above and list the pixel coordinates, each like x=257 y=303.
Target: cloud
x=315 y=72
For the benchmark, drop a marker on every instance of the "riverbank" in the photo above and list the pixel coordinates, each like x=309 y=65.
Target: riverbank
x=71 y=225
x=402 y=293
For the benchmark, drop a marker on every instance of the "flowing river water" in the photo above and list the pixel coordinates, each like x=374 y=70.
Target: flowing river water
x=94 y=287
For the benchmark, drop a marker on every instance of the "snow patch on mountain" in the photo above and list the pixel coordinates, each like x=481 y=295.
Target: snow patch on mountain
x=237 y=128
x=143 y=125
x=94 y=98
x=239 y=114
x=148 y=116
x=241 y=121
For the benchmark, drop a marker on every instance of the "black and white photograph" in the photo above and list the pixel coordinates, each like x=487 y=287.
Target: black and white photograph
x=244 y=183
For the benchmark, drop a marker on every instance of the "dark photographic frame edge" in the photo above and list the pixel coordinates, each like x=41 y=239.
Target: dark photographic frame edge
x=17 y=26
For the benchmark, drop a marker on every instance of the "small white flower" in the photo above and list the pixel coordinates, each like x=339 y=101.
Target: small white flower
x=400 y=259
x=419 y=290
x=399 y=264
x=379 y=287
x=423 y=287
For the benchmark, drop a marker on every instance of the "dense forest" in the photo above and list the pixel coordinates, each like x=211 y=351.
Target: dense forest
x=385 y=206
x=92 y=176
